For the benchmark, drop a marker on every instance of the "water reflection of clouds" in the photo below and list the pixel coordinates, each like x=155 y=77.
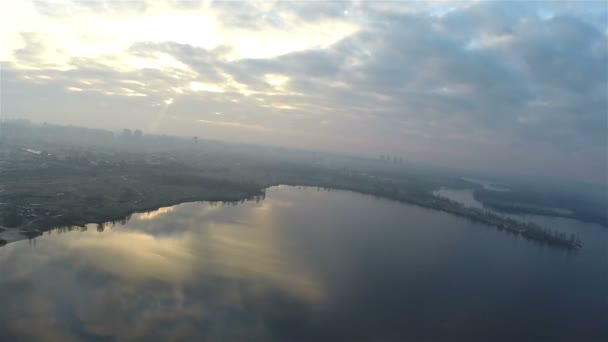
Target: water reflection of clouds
x=174 y=220
x=135 y=282
x=310 y=266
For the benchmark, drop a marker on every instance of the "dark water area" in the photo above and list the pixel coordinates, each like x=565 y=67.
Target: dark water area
x=303 y=264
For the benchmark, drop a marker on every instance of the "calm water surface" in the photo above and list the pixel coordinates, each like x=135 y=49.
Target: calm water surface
x=305 y=265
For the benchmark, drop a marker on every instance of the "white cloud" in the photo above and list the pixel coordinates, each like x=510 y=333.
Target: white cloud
x=199 y=86
x=451 y=81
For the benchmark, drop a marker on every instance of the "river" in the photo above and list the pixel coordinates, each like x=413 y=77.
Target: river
x=303 y=264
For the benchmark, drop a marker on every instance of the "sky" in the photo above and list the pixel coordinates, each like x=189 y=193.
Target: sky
x=513 y=87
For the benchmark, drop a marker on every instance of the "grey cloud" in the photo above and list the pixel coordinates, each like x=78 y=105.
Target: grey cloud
x=567 y=62
x=503 y=81
x=408 y=58
x=207 y=63
x=316 y=10
x=246 y=15
x=565 y=52
x=258 y=15
x=437 y=80
x=31 y=52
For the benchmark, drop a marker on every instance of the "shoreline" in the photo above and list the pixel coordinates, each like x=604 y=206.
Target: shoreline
x=530 y=231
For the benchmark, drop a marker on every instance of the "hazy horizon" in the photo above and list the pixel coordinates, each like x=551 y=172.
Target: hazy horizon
x=510 y=87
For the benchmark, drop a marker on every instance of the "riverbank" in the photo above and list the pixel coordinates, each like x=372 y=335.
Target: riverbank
x=72 y=186
x=30 y=229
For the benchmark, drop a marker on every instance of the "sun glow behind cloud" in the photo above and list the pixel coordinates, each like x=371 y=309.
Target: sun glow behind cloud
x=434 y=79
x=62 y=36
x=199 y=86
x=276 y=81
x=88 y=33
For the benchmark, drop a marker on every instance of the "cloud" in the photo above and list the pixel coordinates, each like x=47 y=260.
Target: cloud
x=69 y=8
x=456 y=82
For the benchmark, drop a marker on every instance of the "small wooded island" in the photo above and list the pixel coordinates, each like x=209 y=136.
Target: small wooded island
x=55 y=176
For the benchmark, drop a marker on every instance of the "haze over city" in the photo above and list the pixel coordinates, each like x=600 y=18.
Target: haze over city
x=512 y=87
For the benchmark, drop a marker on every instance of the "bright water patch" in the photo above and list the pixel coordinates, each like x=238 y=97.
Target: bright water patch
x=302 y=265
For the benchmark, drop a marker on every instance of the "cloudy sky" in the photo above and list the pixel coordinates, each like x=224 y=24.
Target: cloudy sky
x=513 y=86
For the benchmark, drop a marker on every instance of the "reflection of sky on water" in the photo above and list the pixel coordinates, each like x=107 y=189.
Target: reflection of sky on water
x=173 y=268
x=305 y=264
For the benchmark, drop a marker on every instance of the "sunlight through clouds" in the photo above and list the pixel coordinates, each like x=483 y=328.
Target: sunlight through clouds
x=415 y=78
x=199 y=86
x=276 y=81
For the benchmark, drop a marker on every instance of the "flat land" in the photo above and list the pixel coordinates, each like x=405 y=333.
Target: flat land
x=46 y=183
